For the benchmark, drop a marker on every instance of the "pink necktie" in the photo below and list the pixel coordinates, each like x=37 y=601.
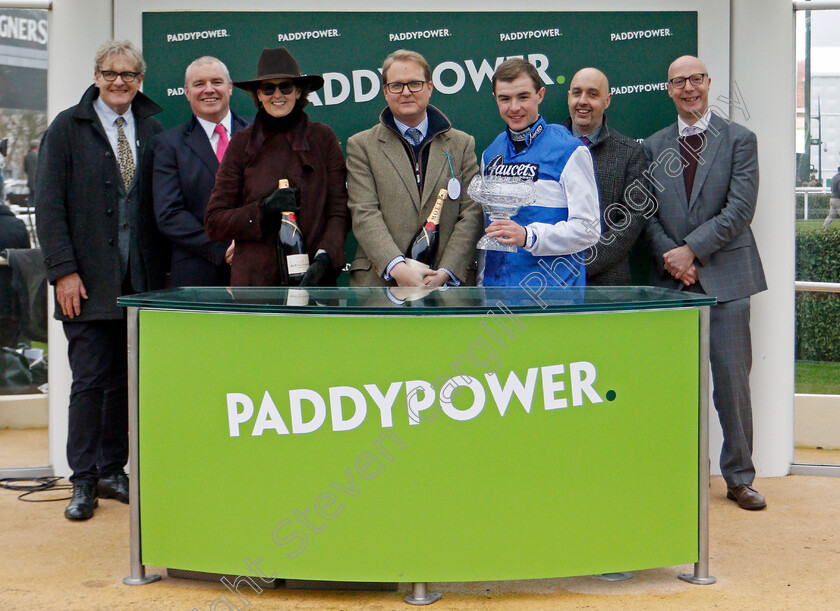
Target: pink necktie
x=223 y=142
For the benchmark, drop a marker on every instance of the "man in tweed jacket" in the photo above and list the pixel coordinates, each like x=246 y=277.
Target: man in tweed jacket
x=619 y=163
x=704 y=175
x=394 y=173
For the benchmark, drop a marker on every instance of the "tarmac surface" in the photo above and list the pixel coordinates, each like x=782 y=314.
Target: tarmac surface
x=784 y=557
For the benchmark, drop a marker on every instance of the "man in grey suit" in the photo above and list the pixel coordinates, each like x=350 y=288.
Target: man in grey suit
x=394 y=173
x=703 y=171
x=619 y=163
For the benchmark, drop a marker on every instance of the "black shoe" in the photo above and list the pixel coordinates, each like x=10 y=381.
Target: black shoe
x=115 y=486
x=83 y=501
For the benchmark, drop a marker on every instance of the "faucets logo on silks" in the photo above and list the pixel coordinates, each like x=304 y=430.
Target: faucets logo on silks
x=497 y=167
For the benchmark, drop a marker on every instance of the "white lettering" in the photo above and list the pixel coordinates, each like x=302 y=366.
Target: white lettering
x=269 y=418
x=384 y=403
x=331 y=98
x=550 y=387
x=478 y=399
x=359 y=94
x=460 y=77
x=296 y=397
x=502 y=396
x=582 y=376
x=416 y=404
x=484 y=71
x=336 y=395
x=235 y=417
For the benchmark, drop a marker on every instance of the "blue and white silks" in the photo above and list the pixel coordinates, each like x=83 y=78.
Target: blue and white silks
x=565 y=218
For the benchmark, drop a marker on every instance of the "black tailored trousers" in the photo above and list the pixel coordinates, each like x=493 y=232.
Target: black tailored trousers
x=97 y=435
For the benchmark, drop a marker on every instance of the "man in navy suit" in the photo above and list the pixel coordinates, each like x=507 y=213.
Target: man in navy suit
x=704 y=172
x=186 y=160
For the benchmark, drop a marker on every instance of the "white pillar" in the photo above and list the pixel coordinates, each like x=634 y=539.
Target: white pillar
x=763 y=67
x=77 y=28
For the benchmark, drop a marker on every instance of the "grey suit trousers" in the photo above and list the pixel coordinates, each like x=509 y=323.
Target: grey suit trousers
x=730 y=353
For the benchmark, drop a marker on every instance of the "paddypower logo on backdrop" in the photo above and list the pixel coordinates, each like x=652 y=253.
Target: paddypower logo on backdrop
x=310 y=35
x=417 y=35
x=348 y=407
x=449 y=77
x=638 y=34
x=527 y=35
x=640 y=88
x=364 y=85
x=200 y=35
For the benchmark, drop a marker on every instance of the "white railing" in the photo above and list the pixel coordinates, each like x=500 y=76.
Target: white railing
x=807 y=192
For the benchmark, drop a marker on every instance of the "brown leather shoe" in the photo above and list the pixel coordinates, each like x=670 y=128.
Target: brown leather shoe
x=746 y=497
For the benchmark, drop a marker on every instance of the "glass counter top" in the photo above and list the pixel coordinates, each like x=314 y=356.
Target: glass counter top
x=400 y=301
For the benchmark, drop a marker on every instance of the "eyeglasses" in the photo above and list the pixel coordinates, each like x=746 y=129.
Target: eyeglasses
x=678 y=82
x=111 y=76
x=413 y=86
x=269 y=88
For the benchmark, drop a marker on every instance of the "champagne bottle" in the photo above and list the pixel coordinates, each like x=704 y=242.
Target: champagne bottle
x=292 y=258
x=424 y=244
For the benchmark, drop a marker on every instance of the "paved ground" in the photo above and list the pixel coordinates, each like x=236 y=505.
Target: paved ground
x=785 y=557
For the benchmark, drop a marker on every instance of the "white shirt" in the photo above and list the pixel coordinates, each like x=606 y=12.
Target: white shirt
x=423 y=128
x=210 y=129
x=699 y=127
x=108 y=118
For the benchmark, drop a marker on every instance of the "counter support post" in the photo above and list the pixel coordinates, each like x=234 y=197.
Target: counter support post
x=419 y=596
x=701 y=567
x=138 y=575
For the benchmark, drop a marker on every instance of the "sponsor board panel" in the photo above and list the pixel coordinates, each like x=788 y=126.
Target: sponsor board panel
x=632 y=48
x=289 y=439
x=23 y=59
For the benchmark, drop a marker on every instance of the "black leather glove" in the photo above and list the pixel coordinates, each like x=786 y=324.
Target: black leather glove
x=318 y=270
x=273 y=207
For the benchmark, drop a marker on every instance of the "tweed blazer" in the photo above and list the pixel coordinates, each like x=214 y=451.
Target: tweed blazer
x=715 y=220
x=619 y=162
x=387 y=207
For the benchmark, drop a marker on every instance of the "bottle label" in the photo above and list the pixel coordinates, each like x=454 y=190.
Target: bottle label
x=297 y=264
x=297 y=297
x=434 y=217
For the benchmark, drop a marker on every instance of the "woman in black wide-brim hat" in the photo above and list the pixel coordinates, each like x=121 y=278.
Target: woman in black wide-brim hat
x=246 y=205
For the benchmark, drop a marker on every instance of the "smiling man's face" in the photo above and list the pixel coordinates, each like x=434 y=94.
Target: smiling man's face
x=692 y=100
x=117 y=94
x=208 y=90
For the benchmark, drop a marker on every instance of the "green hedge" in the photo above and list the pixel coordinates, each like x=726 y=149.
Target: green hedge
x=818 y=314
x=815 y=200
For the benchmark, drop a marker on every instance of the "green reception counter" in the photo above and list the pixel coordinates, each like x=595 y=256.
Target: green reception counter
x=469 y=434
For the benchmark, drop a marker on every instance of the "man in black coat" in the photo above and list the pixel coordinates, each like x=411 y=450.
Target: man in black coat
x=13 y=234
x=100 y=241
x=30 y=167
x=619 y=161
x=186 y=160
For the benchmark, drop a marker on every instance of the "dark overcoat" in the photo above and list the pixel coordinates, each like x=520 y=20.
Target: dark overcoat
x=309 y=156
x=77 y=206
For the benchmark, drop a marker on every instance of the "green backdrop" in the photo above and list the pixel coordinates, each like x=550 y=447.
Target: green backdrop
x=633 y=48
x=608 y=483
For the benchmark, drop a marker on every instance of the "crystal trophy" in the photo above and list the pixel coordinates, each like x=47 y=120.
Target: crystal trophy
x=501 y=197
